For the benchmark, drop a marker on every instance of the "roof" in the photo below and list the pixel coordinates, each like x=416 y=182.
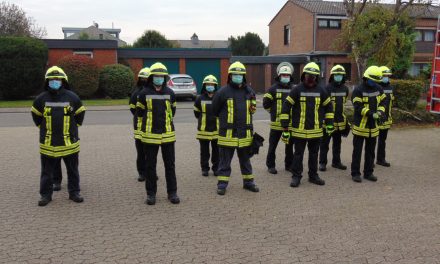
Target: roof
x=78 y=29
x=95 y=33
x=132 y=53
x=203 y=44
x=80 y=44
x=292 y=58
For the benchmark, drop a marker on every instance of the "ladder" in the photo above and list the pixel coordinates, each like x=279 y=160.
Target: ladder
x=434 y=90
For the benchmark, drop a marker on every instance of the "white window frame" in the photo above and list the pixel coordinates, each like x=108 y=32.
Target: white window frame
x=84 y=53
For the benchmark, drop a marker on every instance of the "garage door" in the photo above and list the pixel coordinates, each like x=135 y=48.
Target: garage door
x=171 y=64
x=199 y=68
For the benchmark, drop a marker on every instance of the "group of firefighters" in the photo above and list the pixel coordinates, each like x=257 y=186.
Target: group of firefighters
x=305 y=114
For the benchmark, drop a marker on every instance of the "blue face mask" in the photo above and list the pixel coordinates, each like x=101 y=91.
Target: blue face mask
x=285 y=80
x=55 y=84
x=158 y=80
x=386 y=79
x=210 y=88
x=338 y=78
x=371 y=83
x=237 y=78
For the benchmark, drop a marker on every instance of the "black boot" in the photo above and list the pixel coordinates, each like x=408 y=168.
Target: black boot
x=205 y=173
x=295 y=182
x=383 y=163
x=141 y=178
x=56 y=187
x=339 y=166
x=151 y=200
x=251 y=187
x=221 y=191
x=356 y=178
x=76 y=197
x=370 y=177
x=316 y=180
x=173 y=198
x=322 y=167
x=44 y=200
x=272 y=171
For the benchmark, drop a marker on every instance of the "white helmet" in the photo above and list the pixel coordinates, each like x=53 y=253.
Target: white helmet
x=284 y=68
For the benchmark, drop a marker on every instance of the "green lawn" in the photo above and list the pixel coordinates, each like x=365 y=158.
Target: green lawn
x=96 y=102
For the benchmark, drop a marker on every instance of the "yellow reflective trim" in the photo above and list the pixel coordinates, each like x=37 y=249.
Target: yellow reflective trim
x=302 y=117
x=268 y=95
x=140 y=105
x=381 y=108
x=248 y=114
x=168 y=115
x=196 y=109
x=132 y=106
x=48 y=117
x=149 y=121
x=203 y=121
x=329 y=115
x=59 y=151
x=357 y=99
x=279 y=108
x=79 y=110
x=223 y=178
x=290 y=100
x=365 y=110
x=317 y=103
x=284 y=117
x=326 y=102
x=248 y=177
x=230 y=111
x=35 y=111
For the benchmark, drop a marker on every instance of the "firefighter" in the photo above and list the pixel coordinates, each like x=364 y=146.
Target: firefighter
x=156 y=105
x=58 y=112
x=207 y=125
x=234 y=105
x=308 y=104
x=338 y=92
x=273 y=102
x=368 y=101
x=137 y=121
x=388 y=120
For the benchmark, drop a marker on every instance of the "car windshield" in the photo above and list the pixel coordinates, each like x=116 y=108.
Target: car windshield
x=182 y=80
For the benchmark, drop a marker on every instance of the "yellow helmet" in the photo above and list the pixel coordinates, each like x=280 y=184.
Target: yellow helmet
x=210 y=79
x=237 y=68
x=144 y=73
x=385 y=71
x=55 y=72
x=373 y=73
x=158 y=69
x=338 y=69
x=311 y=68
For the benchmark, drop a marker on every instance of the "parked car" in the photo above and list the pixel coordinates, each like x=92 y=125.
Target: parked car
x=183 y=86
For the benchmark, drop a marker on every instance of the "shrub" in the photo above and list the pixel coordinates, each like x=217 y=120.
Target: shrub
x=22 y=70
x=407 y=93
x=116 y=81
x=83 y=74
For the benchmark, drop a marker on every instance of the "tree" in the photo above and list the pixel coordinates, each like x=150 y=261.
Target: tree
x=116 y=80
x=15 y=23
x=153 y=39
x=248 y=45
x=366 y=36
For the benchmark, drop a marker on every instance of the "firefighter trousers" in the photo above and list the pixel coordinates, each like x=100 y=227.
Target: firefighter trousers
x=336 y=147
x=381 y=144
x=48 y=165
x=57 y=173
x=168 y=157
x=224 y=171
x=141 y=161
x=298 y=156
x=205 y=155
x=274 y=138
x=370 y=145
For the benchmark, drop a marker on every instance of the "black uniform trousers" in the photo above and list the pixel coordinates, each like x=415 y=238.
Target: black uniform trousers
x=205 y=155
x=370 y=145
x=226 y=154
x=298 y=156
x=274 y=138
x=336 y=147
x=381 y=144
x=141 y=161
x=168 y=157
x=48 y=164
x=57 y=173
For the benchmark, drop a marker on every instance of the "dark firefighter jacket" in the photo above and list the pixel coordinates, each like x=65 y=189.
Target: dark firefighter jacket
x=157 y=109
x=58 y=115
x=338 y=94
x=367 y=100
x=232 y=105
x=308 y=107
x=207 y=127
x=273 y=102
x=389 y=101
x=137 y=120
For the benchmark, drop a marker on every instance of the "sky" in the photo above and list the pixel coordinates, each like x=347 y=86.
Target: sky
x=176 y=19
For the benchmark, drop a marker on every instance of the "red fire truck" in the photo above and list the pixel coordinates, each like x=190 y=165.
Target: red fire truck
x=434 y=90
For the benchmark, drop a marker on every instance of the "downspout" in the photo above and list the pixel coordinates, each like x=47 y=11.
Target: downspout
x=314 y=32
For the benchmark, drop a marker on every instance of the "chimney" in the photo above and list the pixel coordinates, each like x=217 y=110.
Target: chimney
x=195 y=39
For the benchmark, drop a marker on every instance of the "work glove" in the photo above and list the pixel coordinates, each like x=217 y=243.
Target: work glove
x=376 y=116
x=329 y=129
x=285 y=137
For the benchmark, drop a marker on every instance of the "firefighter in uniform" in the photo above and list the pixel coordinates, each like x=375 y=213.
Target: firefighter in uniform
x=368 y=101
x=234 y=105
x=308 y=104
x=156 y=105
x=137 y=121
x=338 y=92
x=58 y=112
x=273 y=102
x=207 y=127
x=388 y=120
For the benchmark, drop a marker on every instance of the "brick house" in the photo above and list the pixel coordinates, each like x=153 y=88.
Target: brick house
x=309 y=28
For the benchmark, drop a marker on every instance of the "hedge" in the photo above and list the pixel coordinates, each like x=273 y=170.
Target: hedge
x=22 y=67
x=407 y=93
x=116 y=81
x=83 y=74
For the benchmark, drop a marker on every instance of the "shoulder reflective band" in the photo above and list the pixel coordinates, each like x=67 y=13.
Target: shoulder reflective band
x=338 y=94
x=268 y=95
x=56 y=104
x=158 y=97
x=283 y=90
x=388 y=91
x=206 y=102
x=310 y=94
x=370 y=94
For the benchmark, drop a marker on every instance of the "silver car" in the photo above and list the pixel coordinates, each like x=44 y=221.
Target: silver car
x=183 y=86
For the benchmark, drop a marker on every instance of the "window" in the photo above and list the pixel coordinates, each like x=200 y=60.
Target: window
x=286 y=34
x=335 y=23
x=101 y=36
x=429 y=35
x=84 y=53
x=419 y=35
x=323 y=23
x=329 y=23
x=425 y=35
x=416 y=68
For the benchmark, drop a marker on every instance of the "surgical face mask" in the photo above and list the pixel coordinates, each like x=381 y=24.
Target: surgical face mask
x=386 y=79
x=158 y=80
x=371 y=83
x=338 y=78
x=237 y=78
x=55 y=84
x=210 y=88
x=285 y=80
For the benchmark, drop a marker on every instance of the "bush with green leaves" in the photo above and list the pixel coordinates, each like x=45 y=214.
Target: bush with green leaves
x=407 y=93
x=116 y=80
x=23 y=61
x=83 y=74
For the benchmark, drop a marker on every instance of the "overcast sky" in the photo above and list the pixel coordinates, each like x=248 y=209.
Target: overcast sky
x=176 y=19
